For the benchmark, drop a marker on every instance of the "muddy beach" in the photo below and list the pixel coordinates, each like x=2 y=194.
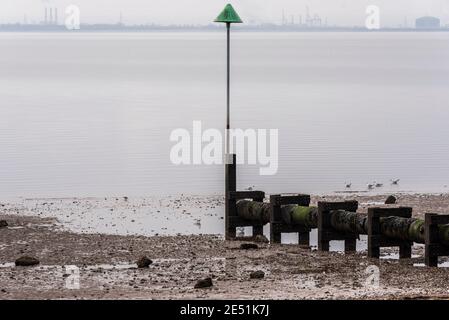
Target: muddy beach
x=104 y=237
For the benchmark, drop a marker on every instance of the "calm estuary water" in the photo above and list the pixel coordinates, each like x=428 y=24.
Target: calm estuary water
x=91 y=114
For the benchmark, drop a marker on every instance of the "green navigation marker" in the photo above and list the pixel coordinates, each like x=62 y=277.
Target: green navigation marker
x=228 y=15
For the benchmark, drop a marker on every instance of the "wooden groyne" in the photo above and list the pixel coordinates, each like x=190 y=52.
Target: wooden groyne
x=392 y=226
x=385 y=227
x=292 y=213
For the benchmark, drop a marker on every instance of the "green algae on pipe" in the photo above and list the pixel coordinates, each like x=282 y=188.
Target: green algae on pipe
x=409 y=229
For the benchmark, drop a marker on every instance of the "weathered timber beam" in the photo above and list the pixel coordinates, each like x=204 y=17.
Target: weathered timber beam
x=410 y=229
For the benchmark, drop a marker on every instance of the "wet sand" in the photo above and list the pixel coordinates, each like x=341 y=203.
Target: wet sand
x=105 y=237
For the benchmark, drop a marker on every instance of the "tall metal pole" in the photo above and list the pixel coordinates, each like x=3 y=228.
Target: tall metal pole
x=228 y=97
x=230 y=169
x=228 y=120
x=228 y=16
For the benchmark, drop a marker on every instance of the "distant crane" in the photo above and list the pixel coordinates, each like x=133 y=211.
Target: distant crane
x=308 y=19
x=316 y=20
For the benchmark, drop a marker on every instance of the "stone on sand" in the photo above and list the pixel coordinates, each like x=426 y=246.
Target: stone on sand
x=248 y=246
x=204 y=283
x=261 y=239
x=390 y=200
x=144 y=262
x=26 y=261
x=259 y=274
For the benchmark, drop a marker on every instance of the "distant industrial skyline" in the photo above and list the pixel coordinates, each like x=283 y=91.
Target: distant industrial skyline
x=394 y=13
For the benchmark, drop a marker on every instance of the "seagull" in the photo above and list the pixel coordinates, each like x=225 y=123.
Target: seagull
x=251 y=188
x=378 y=184
x=370 y=186
x=395 y=181
x=348 y=185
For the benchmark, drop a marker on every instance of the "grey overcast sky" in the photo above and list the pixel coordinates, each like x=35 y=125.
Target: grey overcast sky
x=338 y=12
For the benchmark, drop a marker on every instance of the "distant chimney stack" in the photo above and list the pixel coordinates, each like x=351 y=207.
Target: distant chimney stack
x=56 y=15
x=51 y=16
x=46 y=16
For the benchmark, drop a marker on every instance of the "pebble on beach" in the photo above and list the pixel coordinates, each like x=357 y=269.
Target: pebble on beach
x=3 y=224
x=249 y=246
x=259 y=274
x=204 y=283
x=26 y=261
x=261 y=239
x=390 y=200
x=144 y=262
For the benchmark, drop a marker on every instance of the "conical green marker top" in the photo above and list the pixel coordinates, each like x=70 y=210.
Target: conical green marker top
x=228 y=15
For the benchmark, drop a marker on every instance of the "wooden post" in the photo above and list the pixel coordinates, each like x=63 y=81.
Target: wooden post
x=235 y=221
x=258 y=229
x=376 y=240
x=304 y=238
x=275 y=220
x=277 y=225
x=325 y=231
x=230 y=186
x=433 y=247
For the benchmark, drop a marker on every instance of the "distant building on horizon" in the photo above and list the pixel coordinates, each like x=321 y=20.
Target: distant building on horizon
x=50 y=16
x=428 y=23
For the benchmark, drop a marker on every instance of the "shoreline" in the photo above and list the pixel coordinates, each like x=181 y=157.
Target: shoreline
x=181 y=214
x=107 y=267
